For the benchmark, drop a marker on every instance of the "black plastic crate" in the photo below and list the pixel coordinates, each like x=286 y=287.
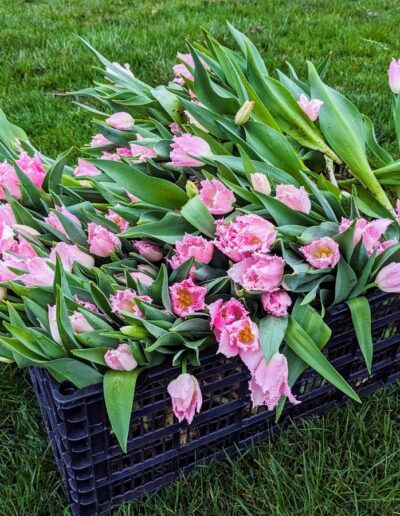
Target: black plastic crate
x=98 y=475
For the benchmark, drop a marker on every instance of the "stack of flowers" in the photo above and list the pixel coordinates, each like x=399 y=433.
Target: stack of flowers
x=227 y=209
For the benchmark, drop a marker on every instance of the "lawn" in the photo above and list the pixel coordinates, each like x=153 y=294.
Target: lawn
x=343 y=463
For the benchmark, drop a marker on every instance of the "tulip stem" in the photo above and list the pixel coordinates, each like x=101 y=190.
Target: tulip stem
x=184 y=366
x=331 y=172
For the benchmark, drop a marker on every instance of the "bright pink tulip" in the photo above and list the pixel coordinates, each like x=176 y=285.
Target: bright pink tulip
x=121 y=120
x=102 y=242
x=258 y=272
x=191 y=246
x=148 y=250
x=388 y=278
x=276 y=303
x=243 y=236
x=120 y=359
x=32 y=167
x=225 y=313
x=216 y=196
x=185 y=396
x=241 y=336
x=124 y=152
x=295 y=198
x=185 y=149
x=9 y=180
x=125 y=301
x=394 y=76
x=321 y=253
x=69 y=254
x=270 y=382
x=118 y=220
x=99 y=140
x=187 y=297
x=86 y=169
x=38 y=273
x=310 y=107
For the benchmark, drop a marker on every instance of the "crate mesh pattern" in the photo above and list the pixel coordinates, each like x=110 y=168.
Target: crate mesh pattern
x=97 y=475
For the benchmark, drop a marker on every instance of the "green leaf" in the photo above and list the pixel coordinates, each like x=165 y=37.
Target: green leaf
x=343 y=127
x=272 y=333
x=302 y=344
x=169 y=229
x=52 y=181
x=346 y=279
x=283 y=215
x=361 y=316
x=95 y=355
x=119 y=391
x=197 y=214
x=81 y=375
x=153 y=190
x=159 y=289
x=382 y=157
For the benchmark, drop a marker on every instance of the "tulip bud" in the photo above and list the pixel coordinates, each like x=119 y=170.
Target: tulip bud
x=260 y=183
x=388 y=278
x=244 y=112
x=135 y=331
x=191 y=189
x=394 y=76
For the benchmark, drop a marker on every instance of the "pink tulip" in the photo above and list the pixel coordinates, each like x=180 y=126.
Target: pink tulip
x=148 y=250
x=310 y=107
x=86 y=304
x=243 y=236
x=143 y=278
x=32 y=168
x=55 y=222
x=394 y=76
x=258 y=272
x=252 y=358
x=187 y=297
x=260 y=183
x=276 y=303
x=132 y=197
x=6 y=238
x=85 y=169
x=9 y=180
x=174 y=128
x=369 y=232
x=121 y=120
x=11 y=262
x=124 y=152
x=398 y=210
x=270 y=382
x=216 y=196
x=182 y=71
x=99 y=140
x=185 y=149
x=38 y=273
x=118 y=220
x=79 y=323
x=7 y=216
x=141 y=152
x=191 y=246
x=120 y=359
x=52 y=316
x=241 y=336
x=295 y=198
x=225 y=313
x=23 y=249
x=69 y=254
x=388 y=278
x=125 y=301
x=321 y=253
x=102 y=242
x=185 y=396
x=113 y=156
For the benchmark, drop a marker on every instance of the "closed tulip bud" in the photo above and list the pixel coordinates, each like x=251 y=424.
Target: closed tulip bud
x=135 y=331
x=260 y=183
x=394 y=76
x=191 y=189
x=244 y=112
x=388 y=278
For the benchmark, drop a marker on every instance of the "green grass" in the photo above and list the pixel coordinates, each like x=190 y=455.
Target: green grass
x=343 y=463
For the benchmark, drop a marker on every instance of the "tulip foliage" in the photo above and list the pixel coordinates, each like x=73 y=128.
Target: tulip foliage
x=228 y=209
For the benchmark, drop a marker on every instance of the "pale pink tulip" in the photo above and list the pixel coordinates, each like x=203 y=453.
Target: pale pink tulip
x=9 y=180
x=121 y=120
x=79 y=323
x=148 y=250
x=102 y=242
x=118 y=220
x=38 y=273
x=276 y=303
x=69 y=254
x=120 y=359
x=394 y=76
x=258 y=272
x=185 y=396
x=32 y=167
x=125 y=301
x=321 y=253
x=388 y=278
x=216 y=196
x=260 y=183
x=86 y=169
x=191 y=246
x=295 y=198
x=98 y=140
x=310 y=107
x=185 y=149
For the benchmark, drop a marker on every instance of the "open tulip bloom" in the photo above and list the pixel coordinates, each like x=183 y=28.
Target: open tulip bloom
x=228 y=210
